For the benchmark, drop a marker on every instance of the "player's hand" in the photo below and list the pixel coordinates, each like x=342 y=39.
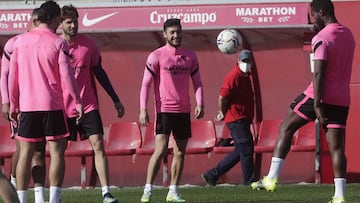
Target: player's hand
x=320 y=115
x=5 y=111
x=199 y=112
x=120 y=109
x=14 y=116
x=220 y=116
x=79 y=113
x=143 y=117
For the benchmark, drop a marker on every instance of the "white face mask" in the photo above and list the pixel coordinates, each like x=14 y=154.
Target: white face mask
x=245 y=67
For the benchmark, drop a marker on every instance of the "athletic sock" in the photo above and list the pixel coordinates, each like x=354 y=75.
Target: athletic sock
x=173 y=189
x=148 y=188
x=22 y=195
x=55 y=194
x=13 y=180
x=340 y=184
x=275 y=167
x=104 y=190
x=39 y=193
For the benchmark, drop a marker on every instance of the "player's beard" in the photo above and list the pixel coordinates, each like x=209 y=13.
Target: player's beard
x=174 y=42
x=319 y=25
x=71 y=32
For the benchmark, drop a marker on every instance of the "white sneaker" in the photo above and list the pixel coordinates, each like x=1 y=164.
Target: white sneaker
x=146 y=197
x=174 y=197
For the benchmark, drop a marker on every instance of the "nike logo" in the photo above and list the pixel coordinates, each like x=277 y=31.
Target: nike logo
x=89 y=22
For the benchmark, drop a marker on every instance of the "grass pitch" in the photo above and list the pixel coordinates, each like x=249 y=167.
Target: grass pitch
x=287 y=193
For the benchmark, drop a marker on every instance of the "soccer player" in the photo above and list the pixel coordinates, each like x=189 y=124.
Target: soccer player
x=236 y=108
x=327 y=98
x=38 y=161
x=86 y=62
x=170 y=67
x=39 y=67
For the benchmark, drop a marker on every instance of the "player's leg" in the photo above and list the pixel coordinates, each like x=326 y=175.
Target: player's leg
x=15 y=156
x=55 y=132
x=14 y=160
x=301 y=112
x=177 y=166
x=7 y=191
x=92 y=127
x=161 y=148
x=289 y=126
x=182 y=132
x=162 y=132
x=335 y=136
x=38 y=170
x=336 y=143
x=23 y=167
x=56 y=168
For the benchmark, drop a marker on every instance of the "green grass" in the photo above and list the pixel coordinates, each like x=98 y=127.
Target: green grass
x=287 y=193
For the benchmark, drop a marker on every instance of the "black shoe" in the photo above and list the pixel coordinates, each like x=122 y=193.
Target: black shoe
x=208 y=180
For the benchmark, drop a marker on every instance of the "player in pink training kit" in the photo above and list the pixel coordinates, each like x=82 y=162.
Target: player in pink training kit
x=327 y=98
x=86 y=62
x=38 y=161
x=39 y=66
x=170 y=67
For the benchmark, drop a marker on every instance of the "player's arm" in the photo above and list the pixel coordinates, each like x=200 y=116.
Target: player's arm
x=13 y=85
x=320 y=56
x=199 y=91
x=5 y=65
x=318 y=82
x=104 y=81
x=67 y=78
x=149 y=73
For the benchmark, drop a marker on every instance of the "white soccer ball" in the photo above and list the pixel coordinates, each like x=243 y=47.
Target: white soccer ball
x=229 y=41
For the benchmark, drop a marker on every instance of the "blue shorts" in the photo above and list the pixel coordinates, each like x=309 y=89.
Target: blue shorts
x=177 y=123
x=304 y=107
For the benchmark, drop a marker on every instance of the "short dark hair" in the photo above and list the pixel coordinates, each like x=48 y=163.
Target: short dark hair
x=35 y=12
x=325 y=5
x=48 y=11
x=69 y=11
x=171 y=23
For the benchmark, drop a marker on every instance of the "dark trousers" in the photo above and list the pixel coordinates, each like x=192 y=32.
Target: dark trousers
x=243 y=152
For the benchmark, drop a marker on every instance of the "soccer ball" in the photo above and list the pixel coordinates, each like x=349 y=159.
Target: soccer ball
x=229 y=41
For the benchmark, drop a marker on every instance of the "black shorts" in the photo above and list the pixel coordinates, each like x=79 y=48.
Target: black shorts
x=90 y=125
x=177 y=123
x=35 y=125
x=304 y=107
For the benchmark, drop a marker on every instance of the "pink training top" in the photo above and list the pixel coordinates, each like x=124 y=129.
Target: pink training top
x=38 y=66
x=84 y=55
x=5 y=67
x=335 y=44
x=171 y=68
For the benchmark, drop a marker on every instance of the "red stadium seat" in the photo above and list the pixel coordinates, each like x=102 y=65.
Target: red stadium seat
x=123 y=139
x=225 y=133
x=7 y=145
x=305 y=139
x=268 y=133
x=203 y=137
x=80 y=149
